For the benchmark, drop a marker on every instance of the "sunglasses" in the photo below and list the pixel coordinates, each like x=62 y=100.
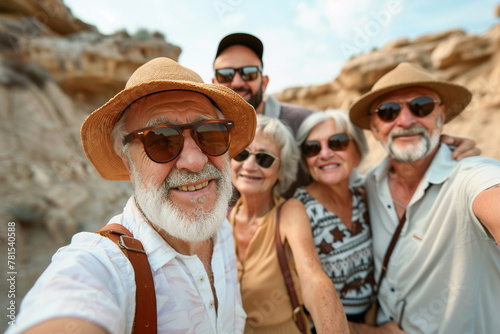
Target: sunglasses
x=420 y=106
x=263 y=159
x=247 y=73
x=164 y=143
x=337 y=142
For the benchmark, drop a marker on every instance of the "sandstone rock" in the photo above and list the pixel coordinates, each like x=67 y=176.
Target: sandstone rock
x=52 y=13
x=92 y=66
x=440 y=36
x=61 y=225
x=396 y=44
x=461 y=49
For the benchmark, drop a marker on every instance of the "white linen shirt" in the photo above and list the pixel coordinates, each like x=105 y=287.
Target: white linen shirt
x=444 y=273
x=92 y=279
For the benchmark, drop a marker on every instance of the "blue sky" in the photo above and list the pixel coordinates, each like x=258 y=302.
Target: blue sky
x=305 y=42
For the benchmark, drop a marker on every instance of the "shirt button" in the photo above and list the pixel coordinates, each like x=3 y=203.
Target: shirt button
x=388 y=206
x=201 y=279
x=392 y=290
x=211 y=304
x=391 y=318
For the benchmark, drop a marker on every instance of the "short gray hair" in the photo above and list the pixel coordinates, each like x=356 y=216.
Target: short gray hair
x=341 y=119
x=279 y=133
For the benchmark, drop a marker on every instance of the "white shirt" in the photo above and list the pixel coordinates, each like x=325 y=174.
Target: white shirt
x=92 y=279
x=445 y=266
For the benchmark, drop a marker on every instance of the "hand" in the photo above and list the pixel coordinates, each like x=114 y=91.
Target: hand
x=465 y=147
x=390 y=328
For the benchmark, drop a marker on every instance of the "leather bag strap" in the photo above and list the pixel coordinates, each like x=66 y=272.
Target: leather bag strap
x=389 y=251
x=298 y=312
x=145 y=297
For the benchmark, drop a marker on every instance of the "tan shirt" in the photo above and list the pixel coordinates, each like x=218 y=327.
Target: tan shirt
x=263 y=290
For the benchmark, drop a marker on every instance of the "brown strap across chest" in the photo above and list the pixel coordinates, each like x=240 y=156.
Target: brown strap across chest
x=298 y=311
x=145 y=297
x=388 y=253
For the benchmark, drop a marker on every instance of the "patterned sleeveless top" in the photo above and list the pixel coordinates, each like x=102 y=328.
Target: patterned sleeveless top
x=346 y=256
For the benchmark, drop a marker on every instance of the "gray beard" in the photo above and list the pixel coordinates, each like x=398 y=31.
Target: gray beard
x=198 y=226
x=412 y=153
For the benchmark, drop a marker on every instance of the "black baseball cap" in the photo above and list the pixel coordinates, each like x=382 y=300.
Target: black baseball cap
x=250 y=41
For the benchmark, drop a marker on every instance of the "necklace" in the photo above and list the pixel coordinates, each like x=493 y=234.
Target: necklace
x=399 y=203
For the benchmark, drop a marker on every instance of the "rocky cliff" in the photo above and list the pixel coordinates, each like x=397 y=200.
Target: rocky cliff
x=55 y=70
x=466 y=59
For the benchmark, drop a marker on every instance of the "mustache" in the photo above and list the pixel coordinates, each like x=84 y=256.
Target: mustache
x=242 y=89
x=178 y=178
x=414 y=130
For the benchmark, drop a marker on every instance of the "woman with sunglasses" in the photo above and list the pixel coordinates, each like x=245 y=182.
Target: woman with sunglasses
x=262 y=173
x=332 y=149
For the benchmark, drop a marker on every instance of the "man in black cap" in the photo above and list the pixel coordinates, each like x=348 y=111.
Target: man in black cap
x=238 y=65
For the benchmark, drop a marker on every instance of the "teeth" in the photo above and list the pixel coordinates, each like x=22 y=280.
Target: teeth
x=193 y=188
x=330 y=166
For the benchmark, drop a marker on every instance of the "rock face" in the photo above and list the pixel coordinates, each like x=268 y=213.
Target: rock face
x=55 y=70
x=465 y=59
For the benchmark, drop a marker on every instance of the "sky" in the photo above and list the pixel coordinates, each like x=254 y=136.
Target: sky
x=305 y=42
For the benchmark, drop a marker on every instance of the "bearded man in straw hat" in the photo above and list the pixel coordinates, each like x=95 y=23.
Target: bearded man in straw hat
x=443 y=273
x=172 y=136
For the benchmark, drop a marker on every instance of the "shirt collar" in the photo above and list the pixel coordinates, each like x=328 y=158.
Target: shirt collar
x=440 y=166
x=437 y=172
x=272 y=107
x=159 y=252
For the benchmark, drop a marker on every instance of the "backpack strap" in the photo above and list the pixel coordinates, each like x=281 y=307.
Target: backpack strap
x=145 y=297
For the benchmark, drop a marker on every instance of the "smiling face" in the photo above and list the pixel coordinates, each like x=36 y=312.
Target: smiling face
x=250 y=178
x=238 y=56
x=331 y=167
x=188 y=196
x=408 y=138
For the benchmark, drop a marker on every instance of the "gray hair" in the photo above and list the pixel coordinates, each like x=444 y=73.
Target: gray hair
x=118 y=134
x=279 y=133
x=341 y=119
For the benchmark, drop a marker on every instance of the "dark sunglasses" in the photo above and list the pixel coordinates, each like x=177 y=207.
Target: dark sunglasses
x=420 y=106
x=337 y=142
x=164 y=143
x=247 y=73
x=263 y=159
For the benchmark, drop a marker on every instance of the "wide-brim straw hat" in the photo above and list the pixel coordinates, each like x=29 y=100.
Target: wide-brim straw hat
x=409 y=75
x=157 y=75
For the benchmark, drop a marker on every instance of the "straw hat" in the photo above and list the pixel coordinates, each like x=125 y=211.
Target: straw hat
x=408 y=75
x=157 y=75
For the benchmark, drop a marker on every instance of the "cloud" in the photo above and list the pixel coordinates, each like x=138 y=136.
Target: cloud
x=233 y=20
x=334 y=16
x=310 y=18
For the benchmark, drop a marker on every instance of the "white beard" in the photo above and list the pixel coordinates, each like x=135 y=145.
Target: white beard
x=413 y=152
x=197 y=226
